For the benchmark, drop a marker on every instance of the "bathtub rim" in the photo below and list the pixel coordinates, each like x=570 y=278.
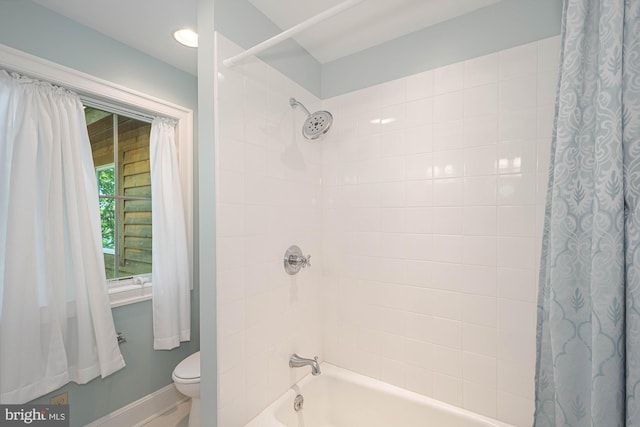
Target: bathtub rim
x=330 y=370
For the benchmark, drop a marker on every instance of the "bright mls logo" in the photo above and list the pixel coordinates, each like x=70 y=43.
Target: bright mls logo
x=35 y=415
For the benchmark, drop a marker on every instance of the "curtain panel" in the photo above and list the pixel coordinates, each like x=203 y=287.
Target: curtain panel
x=588 y=337
x=170 y=262
x=56 y=324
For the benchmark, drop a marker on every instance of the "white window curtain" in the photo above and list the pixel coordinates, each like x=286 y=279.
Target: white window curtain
x=170 y=264
x=55 y=320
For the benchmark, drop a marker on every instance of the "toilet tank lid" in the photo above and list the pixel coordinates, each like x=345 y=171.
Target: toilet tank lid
x=189 y=368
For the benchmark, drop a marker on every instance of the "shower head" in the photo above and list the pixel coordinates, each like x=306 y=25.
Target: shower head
x=317 y=124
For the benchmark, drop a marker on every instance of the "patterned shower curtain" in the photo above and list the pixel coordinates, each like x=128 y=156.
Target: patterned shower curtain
x=588 y=337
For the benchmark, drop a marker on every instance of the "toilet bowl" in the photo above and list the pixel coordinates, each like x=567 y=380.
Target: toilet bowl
x=186 y=377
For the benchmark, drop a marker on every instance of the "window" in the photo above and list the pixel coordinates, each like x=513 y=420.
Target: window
x=120 y=147
x=105 y=95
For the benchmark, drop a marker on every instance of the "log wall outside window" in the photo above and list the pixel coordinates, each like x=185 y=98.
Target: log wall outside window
x=133 y=248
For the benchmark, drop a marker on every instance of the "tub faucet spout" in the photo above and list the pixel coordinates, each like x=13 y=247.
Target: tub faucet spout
x=296 y=361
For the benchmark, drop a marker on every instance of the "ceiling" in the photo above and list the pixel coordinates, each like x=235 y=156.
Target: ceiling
x=365 y=25
x=148 y=25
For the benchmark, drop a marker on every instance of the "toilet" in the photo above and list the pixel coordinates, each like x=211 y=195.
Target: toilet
x=186 y=377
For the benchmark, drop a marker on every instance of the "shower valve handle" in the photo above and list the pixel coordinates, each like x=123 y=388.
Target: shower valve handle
x=294 y=260
x=302 y=261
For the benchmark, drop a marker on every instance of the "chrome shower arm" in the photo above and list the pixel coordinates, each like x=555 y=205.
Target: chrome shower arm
x=294 y=103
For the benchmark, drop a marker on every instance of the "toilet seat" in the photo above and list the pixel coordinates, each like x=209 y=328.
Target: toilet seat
x=188 y=371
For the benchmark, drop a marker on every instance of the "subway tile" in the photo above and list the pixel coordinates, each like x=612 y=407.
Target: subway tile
x=549 y=54
x=448 y=164
x=517 y=94
x=446 y=276
x=392 y=143
x=514 y=314
x=419 y=166
x=419 y=380
x=480 y=339
x=479 y=250
x=481 y=100
x=480 y=310
x=517 y=284
x=480 y=190
x=446 y=360
x=516 y=379
x=418 y=113
x=516 y=221
x=514 y=409
x=230 y=285
x=446 y=304
x=392 y=372
x=448 y=135
x=545 y=117
x=391 y=92
x=400 y=220
x=448 y=192
x=447 y=249
x=518 y=61
x=447 y=107
x=479 y=399
x=480 y=161
x=479 y=220
x=419 y=273
x=516 y=252
x=516 y=189
x=419 y=85
x=448 y=79
x=480 y=71
x=419 y=193
x=479 y=131
x=392 y=194
x=428 y=238
x=418 y=246
x=447 y=220
x=480 y=369
x=547 y=87
x=419 y=327
x=418 y=353
x=231 y=219
x=447 y=333
x=479 y=280
x=419 y=139
x=447 y=389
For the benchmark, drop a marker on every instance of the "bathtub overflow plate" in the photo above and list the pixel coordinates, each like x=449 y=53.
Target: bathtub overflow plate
x=298 y=402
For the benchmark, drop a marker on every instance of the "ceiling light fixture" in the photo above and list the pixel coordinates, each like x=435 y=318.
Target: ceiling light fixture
x=186 y=37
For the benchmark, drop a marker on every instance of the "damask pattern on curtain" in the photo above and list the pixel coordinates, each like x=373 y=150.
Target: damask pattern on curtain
x=55 y=319
x=588 y=338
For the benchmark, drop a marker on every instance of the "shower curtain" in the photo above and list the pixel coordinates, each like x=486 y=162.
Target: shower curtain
x=55 y=320
x=588 y=337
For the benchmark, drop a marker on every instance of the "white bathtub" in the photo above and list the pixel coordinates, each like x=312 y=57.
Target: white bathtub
x=341 y=398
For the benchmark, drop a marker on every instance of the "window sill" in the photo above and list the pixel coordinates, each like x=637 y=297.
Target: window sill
x=129 y=294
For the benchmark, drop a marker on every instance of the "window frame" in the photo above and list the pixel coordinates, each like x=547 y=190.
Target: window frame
x=103 y=94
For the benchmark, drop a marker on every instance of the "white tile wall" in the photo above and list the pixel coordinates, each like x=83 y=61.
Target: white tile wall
x=422 y=209
x=268 y=198
x=431 y=233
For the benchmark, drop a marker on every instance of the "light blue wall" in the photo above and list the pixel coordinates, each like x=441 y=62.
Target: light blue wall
x=36 y=30
x=503 y=25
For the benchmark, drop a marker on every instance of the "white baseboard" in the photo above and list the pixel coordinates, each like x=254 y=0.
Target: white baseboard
x=142 y=410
